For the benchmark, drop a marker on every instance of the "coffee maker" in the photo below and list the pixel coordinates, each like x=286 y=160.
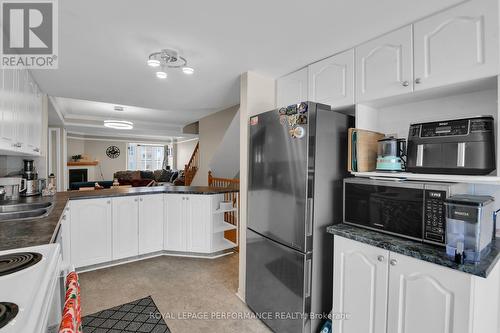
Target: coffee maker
x=33 y=186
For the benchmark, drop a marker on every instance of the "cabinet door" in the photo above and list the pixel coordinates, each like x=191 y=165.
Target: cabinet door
x=384 y=66
x=457 y=45
x=90 y=231
x=151 y=223
x=427 y=298
x=360 y=286
x=125 y=227
x=198 y=217
x=175 y=226
x=331 y=81
x=8 y=116
x=292 y=88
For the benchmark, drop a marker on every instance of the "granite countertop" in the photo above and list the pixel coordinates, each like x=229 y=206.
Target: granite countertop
x=426 y=252
x=33 y=232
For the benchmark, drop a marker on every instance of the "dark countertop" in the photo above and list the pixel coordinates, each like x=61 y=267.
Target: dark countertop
x=426 y=252
x=33 y=232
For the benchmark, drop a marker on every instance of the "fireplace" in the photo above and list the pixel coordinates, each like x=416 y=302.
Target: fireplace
x=78 y=175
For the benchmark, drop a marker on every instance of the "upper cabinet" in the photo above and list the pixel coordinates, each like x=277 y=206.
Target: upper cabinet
x=20 y=113
x=384 y=66
x=457 y=45
x=331 y=81
x=292 y=88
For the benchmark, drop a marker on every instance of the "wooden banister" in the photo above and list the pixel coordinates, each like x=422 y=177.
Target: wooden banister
x=234 y=197
x=193 y=165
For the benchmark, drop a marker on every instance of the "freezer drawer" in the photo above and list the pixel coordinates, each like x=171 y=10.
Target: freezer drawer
x=278 y=281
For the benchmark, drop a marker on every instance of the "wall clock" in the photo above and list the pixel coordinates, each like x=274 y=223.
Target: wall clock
x=113 y=151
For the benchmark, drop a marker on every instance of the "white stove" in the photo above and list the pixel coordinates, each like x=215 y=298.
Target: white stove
x=30 y=289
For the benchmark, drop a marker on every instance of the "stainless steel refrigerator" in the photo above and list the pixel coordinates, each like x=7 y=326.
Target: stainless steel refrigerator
x=297 y=160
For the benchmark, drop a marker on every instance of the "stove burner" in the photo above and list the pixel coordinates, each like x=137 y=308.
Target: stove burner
x=8 y=311
x=11 y=263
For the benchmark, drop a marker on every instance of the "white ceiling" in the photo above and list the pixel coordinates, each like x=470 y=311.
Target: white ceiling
x=103 y=47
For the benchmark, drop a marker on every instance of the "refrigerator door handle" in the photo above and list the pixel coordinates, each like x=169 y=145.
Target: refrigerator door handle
x=310 y=205
x=307 y=278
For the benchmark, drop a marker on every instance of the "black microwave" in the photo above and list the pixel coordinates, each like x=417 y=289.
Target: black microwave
x=408 y=209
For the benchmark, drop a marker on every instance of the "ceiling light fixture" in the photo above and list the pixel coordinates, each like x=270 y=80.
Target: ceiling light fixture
x=188 y=70
x=119 y=124
x=168 y=58
x=154 y=63
x=161 y=74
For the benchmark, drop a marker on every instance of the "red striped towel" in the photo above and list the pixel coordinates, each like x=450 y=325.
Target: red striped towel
x=71 y=317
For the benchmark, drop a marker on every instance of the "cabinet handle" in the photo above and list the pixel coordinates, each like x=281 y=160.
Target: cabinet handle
x=418 y=80
x=380 y=258
x=141 y=199
x=394 y=262
x=136 y=200
x=405 y=83
x=36 y=150
x=109 y=202
x=64 y=217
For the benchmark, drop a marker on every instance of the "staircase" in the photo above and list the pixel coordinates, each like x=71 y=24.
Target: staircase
x=192 y=167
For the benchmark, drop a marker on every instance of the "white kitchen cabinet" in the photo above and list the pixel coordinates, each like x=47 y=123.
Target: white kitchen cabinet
x=384 y=66
x=20 y=114
x=331 y=81
x=421 y=290
x=175 y=226
x=386 y=292
x=198 y=223
x=457 y=45
x=151 y=222
x=63 y=238
x=188 y=223
x=360 y=287
x=292 y=88
x=125 y=227
x=91 y=228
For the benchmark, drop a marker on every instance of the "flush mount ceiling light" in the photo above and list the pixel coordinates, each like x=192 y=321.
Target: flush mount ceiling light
x=168 y=58
x=119 y=124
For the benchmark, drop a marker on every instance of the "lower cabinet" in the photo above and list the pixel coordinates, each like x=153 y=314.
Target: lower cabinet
x=187 y=223
x=151 y=217
x=90 y=230
x=360 y=287
x=385 y=292
x=125 y=227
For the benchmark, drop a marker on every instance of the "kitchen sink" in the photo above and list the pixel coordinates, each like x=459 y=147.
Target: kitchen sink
x=23 y=211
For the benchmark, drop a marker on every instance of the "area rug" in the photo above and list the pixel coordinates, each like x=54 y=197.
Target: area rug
x=141 y=315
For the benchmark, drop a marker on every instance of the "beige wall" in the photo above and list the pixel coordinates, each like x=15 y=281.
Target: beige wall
x=257 y=95
x=212 y=130
x=96 y=149
x=183 y=152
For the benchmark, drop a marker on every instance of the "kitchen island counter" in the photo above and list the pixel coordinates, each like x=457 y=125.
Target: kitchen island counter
x=33 y=232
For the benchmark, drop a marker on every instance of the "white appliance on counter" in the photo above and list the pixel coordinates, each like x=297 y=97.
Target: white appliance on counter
x=31 y=289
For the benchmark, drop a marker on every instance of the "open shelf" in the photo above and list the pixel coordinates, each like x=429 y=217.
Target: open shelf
x=220 y=211
x=223 y=244
x=224 y=226
x=432 y=177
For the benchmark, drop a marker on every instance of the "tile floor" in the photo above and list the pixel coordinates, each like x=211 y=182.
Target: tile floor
x=179 y=286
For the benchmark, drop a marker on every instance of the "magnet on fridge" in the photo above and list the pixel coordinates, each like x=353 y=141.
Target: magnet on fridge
x=291 y=109
x=302 y=107
x=282 y=111
x=283 y=120
x=292 y=120
x=302 y=120
x=299 y=132
x=254 y=120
